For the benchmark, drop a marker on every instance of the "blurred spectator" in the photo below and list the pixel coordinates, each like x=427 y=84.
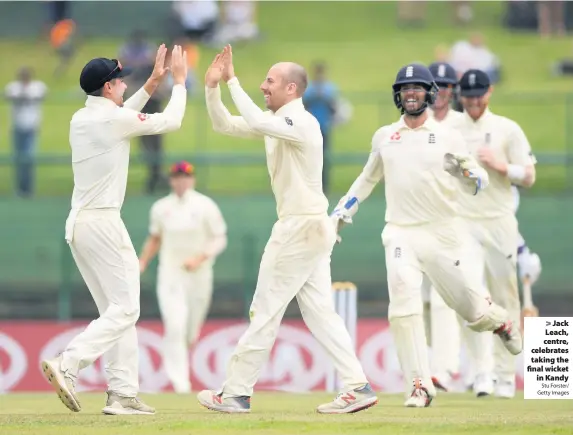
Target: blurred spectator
x=198 y=18
x=62 y=40
x=412 y=13
x=463 y=12
x=441 y=53
x=551 y=17
x=563 y=67
x=320 y=99
x=58 y=10
x=26 y=96
x=466 y=55
x=138 y=53
x=238 y=22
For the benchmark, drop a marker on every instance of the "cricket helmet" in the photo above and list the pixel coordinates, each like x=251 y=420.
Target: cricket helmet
x=444 y=74
x=415 y=74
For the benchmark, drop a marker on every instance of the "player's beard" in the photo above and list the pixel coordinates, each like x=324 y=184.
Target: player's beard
x=413 y=107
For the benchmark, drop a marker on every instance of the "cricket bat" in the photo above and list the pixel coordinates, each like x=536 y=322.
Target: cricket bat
x=528 y=310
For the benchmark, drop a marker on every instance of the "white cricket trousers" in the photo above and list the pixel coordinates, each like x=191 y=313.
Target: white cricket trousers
x=295 y=262
x=184 y=300
x=442 y=252
x=499 y=239
x=107 y=261
x=447 y=332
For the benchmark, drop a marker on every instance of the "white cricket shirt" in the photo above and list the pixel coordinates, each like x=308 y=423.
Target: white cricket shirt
x=99 y=139
x=293 y=145
x=451 y=119
x=510 y=145
x=417 y=189
x=188 y=226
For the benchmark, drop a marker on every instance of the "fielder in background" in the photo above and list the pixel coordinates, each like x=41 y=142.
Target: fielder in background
x=189 y=232
x=296 y=259
x=503 y=150
x=424 y=163
x=100 y=244
x=446 y=328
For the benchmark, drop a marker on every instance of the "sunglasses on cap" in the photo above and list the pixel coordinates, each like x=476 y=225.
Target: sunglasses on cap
x=184 y=168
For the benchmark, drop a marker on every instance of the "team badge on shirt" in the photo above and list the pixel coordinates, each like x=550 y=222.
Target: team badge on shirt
x=432 y=138
x=487 y=138
x=288 y=121
x=142 y=116
x=395 y=137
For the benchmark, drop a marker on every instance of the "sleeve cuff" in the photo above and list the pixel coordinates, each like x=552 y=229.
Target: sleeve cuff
x=212 y=91
x=233 y=81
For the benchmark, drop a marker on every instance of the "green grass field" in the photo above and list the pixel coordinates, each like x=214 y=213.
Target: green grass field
x=363 y=46
x=277 y=414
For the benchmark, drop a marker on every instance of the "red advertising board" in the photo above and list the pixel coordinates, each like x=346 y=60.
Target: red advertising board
x=297 y=363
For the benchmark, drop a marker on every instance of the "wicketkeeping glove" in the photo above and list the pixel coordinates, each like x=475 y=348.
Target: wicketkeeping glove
x=342 y=214
x=466 y=169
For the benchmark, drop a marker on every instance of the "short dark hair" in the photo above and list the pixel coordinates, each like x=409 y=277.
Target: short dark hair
x=96 y=93
x=99 y=92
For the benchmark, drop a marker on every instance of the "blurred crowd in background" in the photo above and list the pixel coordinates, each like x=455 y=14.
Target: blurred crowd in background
x=212 y=23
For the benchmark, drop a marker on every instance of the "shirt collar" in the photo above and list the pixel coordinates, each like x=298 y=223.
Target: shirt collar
x=185 y=196
x=484 y=116
x=99 y=102
x=429 y=124
x=292 y=106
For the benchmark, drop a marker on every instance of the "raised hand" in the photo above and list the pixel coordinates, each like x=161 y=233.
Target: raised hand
x=159 y=70
x=228 y=68
x=179 y=65
x=214 y=72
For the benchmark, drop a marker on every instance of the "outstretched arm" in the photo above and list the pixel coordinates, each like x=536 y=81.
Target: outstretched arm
x=261 y=122
x=131 y=123
x=361 y=189
x=223 y=122
x=369 y=177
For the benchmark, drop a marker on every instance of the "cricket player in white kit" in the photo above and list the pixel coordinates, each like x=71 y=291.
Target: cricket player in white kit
x=102 y=249
x=188 y=231
x=446 y=327
x=503 y=150
x=422 y=162
x=296 y=259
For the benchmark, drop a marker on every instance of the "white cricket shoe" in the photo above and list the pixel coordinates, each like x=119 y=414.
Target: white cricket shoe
x=63 y=383
x=351 y=401
x=505 y=389
x=483 y=385
x=510 y=337
x=230 y=405
x=120 y=405
x=420 y=397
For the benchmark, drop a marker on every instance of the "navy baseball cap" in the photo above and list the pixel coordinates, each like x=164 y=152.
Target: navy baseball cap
x=474 y=83
x=98 y=72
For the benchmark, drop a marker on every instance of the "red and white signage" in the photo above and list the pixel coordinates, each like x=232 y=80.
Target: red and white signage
x=297 y=363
